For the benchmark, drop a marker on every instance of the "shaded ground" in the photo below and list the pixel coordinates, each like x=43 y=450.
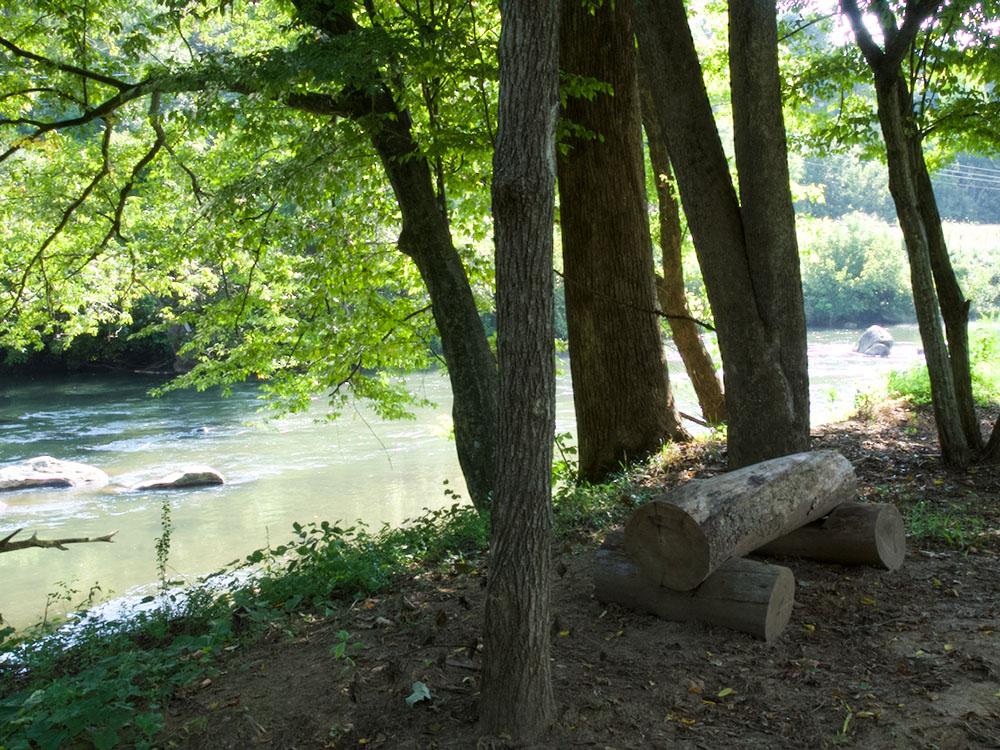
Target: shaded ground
x=909 y=659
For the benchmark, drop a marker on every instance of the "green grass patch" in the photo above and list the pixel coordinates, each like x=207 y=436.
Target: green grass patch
x=984 y=360
x=951 y=526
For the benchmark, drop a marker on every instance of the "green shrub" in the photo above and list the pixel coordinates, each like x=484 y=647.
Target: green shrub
x=853 y=272
x=984 y=359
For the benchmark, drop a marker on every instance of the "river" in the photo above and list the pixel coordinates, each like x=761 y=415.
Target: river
x=300 y=467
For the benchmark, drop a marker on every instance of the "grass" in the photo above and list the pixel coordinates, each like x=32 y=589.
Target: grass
x=984 y=360
x=926 y=521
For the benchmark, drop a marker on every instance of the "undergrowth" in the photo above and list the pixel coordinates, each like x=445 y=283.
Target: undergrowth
x=105 y=683
x=984 y=362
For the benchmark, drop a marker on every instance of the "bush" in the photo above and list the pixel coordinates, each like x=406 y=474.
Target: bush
x=984 y=359
x=854 y=272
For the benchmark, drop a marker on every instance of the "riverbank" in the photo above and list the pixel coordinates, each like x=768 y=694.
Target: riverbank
x=324 y=656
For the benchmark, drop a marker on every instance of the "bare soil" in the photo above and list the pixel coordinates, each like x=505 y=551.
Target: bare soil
x=871 y=659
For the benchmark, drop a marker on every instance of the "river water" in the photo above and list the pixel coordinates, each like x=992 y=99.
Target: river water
x=296 y=468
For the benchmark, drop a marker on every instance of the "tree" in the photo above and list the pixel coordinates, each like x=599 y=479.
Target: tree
x=670 y=289
x=746 y=248
x=326 y=82
x=621 y=388
x=937 y=295
x=517 y=682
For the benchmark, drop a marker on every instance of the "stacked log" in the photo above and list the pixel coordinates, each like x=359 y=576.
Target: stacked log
x=746 y=595
x=681 y=554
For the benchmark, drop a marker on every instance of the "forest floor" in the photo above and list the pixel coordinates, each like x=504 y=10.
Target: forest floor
x=870 y=659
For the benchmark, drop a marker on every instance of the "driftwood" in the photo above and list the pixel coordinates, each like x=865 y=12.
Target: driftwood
x=853 y=534
x=745 y=595
x=6 y=545
x=681 y=537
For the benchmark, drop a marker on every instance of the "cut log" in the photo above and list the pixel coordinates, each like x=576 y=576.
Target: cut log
x=679 y=538
x=745 y=595
x=853 y=534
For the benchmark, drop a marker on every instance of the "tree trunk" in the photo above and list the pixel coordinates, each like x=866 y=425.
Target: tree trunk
x=853 y=534
x=621 y=389
x=954 y=306
x=936 y=293
x=745 y=595
x=680 y=538
x=670 y=292
x=517 y=682
x=425 y=236
x=763 y=402
x=765 y=196
x=898 y=130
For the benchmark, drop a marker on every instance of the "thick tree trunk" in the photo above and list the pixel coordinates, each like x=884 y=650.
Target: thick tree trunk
x=670 y=291
x=745 y=595
x=761 y=154
x=517 y=682
x=898 y=131
x=853 y=534
x=621 y=390
x=679 y=539
x=762 y=399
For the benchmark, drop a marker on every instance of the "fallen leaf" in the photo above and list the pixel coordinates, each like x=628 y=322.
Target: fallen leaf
x=725 y=691
x=420 y=693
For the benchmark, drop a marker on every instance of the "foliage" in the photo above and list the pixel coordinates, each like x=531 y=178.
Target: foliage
x=263 y=229
x=853 y=271
x=103 y=683
x=984 y=358
x=926 y=521
x=829 y=98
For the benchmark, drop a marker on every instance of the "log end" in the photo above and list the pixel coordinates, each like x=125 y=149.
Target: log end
x=890 y=537
x=668 y=545
x=780 y=604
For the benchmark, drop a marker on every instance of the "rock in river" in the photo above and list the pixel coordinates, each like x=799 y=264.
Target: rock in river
x=875 y=342
x=184 y=477
x=45 y=471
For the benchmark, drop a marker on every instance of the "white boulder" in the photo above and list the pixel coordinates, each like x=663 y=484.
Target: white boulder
x=45 y=471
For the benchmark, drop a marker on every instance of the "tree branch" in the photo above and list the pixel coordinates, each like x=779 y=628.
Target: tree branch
x=6 y=545
x=64 y=67
x=39 y=257
x=915 y=14
x=871 y=51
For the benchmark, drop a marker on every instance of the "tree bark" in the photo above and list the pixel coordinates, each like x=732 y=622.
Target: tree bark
x=897 y=130
x=670 y=292
x=936 y=293
x=681 y=537
x=768 y=216
x=853 y=534
x=763 y=399
x=621 y=389
x=517 y=683
x=745 y=595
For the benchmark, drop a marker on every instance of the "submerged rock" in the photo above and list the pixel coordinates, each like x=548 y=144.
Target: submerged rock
x=875 y=342
x=45 y=471
x=184 y=477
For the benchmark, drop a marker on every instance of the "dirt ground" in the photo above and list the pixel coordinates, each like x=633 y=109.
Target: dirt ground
x=870 y=659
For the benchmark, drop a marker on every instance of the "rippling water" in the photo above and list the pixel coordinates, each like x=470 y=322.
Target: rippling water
x=297 y=468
